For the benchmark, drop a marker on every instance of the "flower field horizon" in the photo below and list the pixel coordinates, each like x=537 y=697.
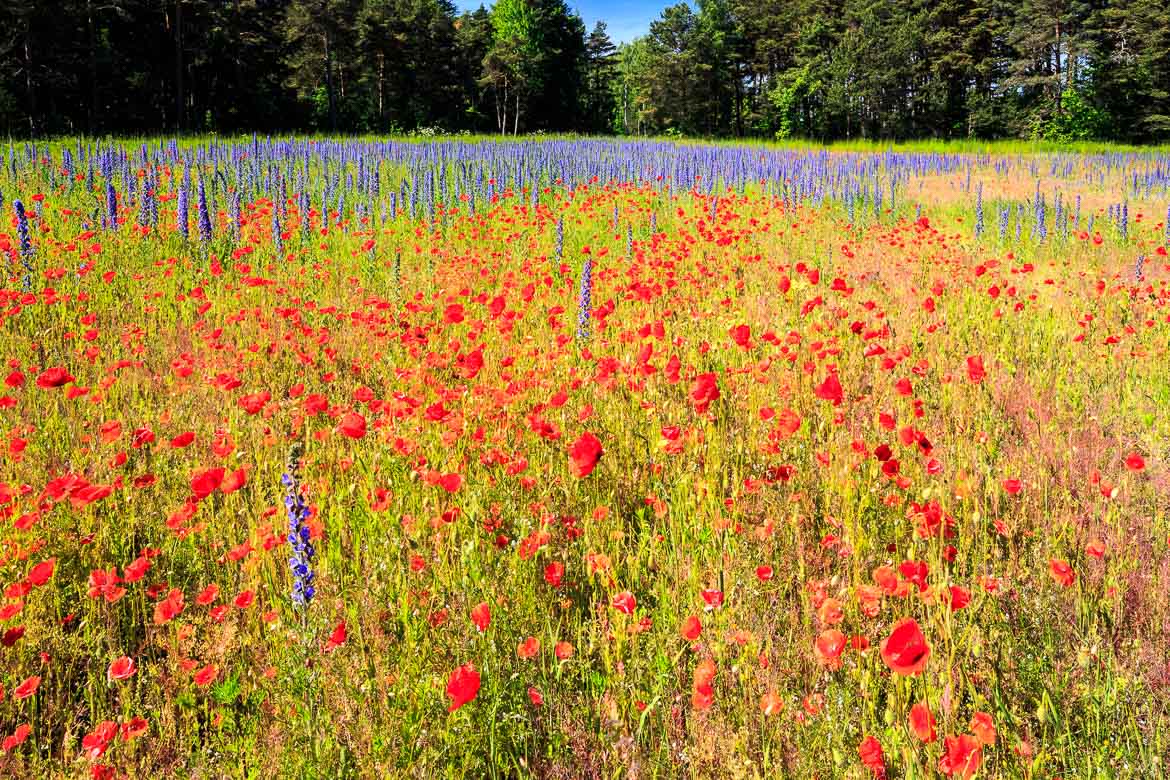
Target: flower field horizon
x=583 y=458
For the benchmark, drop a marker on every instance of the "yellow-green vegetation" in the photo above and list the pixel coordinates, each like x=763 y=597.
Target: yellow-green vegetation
x=590 y=459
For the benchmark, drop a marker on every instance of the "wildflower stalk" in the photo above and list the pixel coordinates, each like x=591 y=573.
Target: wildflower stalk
x=584 y=299
x=301 y=559
x=24 y=236
x=181 y=212
x=204 y=217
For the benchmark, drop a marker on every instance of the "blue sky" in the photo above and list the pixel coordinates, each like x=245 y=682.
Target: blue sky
x=627 y=19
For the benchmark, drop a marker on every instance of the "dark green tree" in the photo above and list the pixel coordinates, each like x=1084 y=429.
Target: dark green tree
x=1131 y=69
x=598 y=102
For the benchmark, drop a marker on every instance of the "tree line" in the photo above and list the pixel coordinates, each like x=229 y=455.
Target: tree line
x=817 y=69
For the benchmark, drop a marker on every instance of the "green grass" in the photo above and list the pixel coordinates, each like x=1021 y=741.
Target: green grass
x=1072 y=676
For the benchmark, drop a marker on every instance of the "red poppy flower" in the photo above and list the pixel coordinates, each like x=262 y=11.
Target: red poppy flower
x=625 y=602
x=983 y=727
x=905 y=650
x=233 y=481
x=207 y=595
x=17 y=738
x=714 y=598
x=922 y=723
x=742 y=336
x=41 y=573
x=830 y=390
x=915 y=572
x=1062 y=572
x=54 y=377
x=169 y=608
x=204 y=482
x=831 y=612
x=481 y=616
x=462 y=686
x=584 y=455
x=135 y=727
x=787 y=423
x=691 y=628
x=870 y=751
x=352 y=425
x=528 y=648
x=94 y=744
x=110 y=431
x=963 y=756
x=703 y=692
x=182 y=440
x=222 y=444
x=122 y=668
x=554 y=573
x=105 y=584
x=829 y=646
x=253 y=403
x=206 y=676
x=26 y=688
x=337 y=638
x=12 y=636
x=1135 y=462
x=704 y=390
x=975 y=372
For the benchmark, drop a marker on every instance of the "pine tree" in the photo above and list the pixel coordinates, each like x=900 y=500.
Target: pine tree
x=600 y=71
x=1050 y=40
x=473 y=37
x=1131 y=78
x=320 y=35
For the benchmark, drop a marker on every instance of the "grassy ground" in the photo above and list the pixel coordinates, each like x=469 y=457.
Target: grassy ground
x=808 y=431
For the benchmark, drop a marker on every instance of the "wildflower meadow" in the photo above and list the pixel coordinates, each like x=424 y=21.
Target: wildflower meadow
x=583 y=459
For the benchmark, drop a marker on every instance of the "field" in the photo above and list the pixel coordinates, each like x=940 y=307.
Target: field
x=565 y=458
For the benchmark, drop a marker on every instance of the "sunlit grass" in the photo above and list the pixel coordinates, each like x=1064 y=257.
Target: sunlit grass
x=764 y=511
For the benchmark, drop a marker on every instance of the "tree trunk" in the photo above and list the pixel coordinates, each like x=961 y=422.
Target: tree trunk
x=237 y=65
x=91 y=119
x=28 y=84
x=1059 y=90
x=625 y=108
x=502 y=108
x=180 y=98
x=381 y=90
x=738 y=104
x=516 y=115
x=329 y=83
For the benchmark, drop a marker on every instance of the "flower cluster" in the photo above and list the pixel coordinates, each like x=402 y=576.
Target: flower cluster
x=299 y=539
x=584 y=298
x=181 y=212
x=204 y=217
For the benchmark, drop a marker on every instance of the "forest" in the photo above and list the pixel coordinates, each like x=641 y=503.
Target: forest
x=1061 y=70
